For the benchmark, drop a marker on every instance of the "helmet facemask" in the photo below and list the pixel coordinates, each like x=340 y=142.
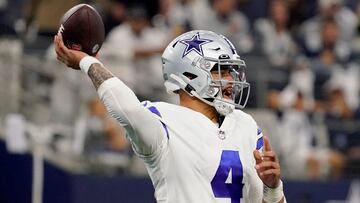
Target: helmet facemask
x=228 y=88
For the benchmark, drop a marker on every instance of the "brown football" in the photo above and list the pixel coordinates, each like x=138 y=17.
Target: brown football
x=83 y=29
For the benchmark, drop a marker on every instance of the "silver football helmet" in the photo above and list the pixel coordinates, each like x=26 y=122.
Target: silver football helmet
x=206 y=65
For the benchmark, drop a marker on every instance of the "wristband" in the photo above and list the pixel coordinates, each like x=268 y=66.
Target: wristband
x=86 y=62
x=273 y=195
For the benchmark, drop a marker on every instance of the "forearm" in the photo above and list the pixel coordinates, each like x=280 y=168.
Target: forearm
x=98 y=74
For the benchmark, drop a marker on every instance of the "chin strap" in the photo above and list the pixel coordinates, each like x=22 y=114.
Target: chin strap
x=188 y=88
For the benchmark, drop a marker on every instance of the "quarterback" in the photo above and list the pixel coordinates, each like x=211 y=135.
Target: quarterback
x=205 y=149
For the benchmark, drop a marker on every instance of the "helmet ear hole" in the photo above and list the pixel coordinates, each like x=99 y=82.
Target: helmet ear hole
x=191 y=76
x=224 y=56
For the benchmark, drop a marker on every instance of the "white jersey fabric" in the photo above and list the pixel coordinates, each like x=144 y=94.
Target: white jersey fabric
x=189 y=158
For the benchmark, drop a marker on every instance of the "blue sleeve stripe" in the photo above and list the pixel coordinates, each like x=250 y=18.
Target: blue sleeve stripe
x=154 y=110
x=166 y=129
x=259 y=131
x=259 y=143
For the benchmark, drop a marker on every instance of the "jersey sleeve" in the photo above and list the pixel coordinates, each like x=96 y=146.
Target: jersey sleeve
x=259 y=139
x=144 y=130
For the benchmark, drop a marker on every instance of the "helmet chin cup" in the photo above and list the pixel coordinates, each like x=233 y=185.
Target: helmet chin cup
x=223 y=108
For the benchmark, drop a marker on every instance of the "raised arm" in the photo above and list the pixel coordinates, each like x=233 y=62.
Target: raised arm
x=268 y=169
x=144 y=130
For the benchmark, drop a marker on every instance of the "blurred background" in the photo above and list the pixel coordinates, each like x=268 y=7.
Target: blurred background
x=57 y=144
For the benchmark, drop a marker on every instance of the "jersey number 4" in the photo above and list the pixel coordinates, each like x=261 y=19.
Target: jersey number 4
x=227 y=182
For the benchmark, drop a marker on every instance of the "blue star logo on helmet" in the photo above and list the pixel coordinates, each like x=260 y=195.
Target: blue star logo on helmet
x=194 y=44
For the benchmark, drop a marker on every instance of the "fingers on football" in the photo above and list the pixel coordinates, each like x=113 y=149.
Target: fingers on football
x=267 y=143
x=57 y=45
x=62 y=47
x=60 y=36
x=257 y=156
x=57 y=49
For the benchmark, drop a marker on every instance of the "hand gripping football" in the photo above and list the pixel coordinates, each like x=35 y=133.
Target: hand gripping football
x=82 y=29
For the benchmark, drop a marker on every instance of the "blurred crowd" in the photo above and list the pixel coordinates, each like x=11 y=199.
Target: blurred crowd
x=302 y=62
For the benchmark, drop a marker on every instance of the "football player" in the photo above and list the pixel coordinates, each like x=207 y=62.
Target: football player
x=205 y=149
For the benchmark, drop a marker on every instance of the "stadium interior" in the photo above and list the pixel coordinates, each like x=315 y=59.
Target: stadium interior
x=57 y=143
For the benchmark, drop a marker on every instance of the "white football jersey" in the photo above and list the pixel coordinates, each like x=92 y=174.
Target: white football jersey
x=189 y=158
x=201 y=162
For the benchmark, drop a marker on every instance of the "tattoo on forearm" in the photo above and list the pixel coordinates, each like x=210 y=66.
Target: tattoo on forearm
x=98 y=74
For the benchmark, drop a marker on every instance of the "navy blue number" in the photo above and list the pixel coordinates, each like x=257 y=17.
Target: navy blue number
x=230 y=161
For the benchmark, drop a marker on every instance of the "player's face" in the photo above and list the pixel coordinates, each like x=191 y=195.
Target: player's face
x=225 y=75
